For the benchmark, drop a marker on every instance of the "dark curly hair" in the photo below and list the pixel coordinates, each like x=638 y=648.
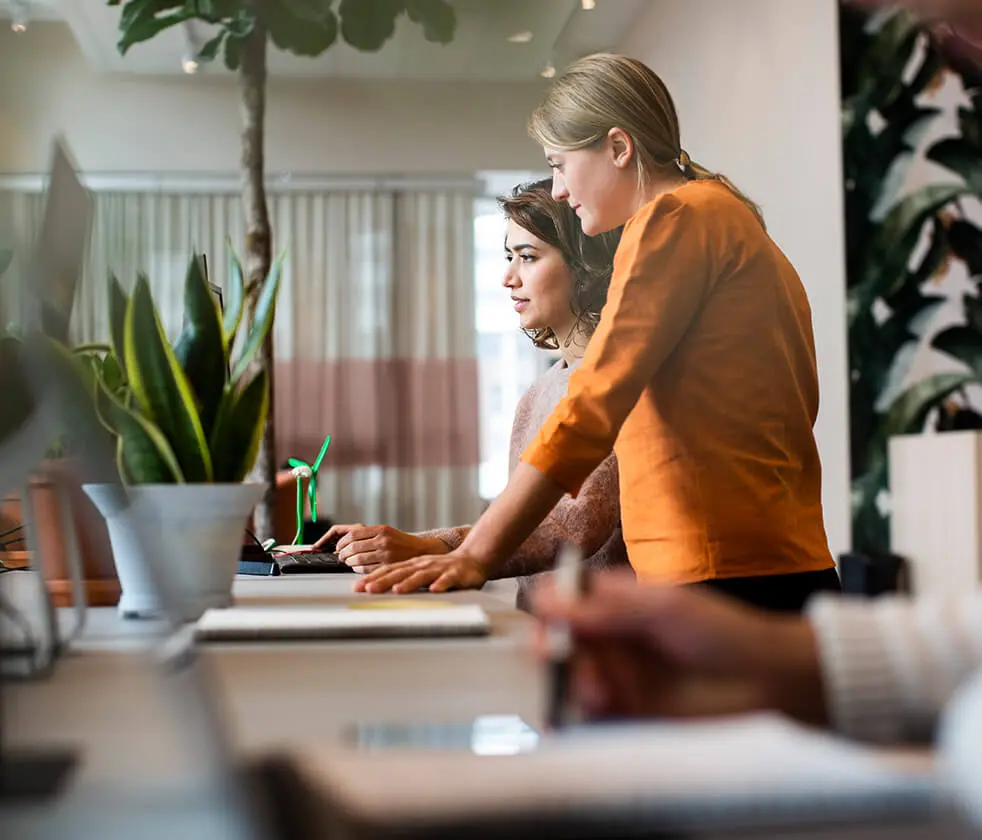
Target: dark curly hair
x=590 y=259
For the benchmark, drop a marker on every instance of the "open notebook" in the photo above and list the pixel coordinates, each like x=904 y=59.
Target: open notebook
x=757 y=772
x=365 y=619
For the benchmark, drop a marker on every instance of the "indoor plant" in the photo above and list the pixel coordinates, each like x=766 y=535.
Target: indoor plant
x=187 y=420
x=241 y=31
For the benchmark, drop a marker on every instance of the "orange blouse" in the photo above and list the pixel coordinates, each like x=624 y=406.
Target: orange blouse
x=702 y=378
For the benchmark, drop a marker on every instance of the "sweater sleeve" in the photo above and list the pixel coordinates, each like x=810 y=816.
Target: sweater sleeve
x=662 y=275
x=890 y=665
x=587 y=521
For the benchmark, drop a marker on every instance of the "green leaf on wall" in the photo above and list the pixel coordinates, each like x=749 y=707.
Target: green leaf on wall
x=962 y=343
x=888 y=254
x=910 y=411
x=960 y=157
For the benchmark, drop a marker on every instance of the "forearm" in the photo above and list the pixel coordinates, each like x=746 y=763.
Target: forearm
x=450 y=537
x=512 y=517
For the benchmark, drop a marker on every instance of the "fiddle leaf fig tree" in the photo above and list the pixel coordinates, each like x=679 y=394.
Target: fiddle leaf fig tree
x=240 y=34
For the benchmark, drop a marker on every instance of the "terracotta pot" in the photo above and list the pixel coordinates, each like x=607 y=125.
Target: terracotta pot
x=99 y=573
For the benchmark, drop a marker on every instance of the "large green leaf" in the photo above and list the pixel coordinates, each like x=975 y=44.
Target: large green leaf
x=241 y=419
x=960 y=157
x=966 y=243
x=142 y=20
x=964 y=344
x=888 y=254
x=302 y=28
x=437 y=17
x=209 y=52
x=234 y=297
x=262 y=320
x=143 y=454
x=201 y=349
x=233 y=53
x=970 y=123
x=368 y=24
x=118 y=304
x=162 y=391
x=910 y=410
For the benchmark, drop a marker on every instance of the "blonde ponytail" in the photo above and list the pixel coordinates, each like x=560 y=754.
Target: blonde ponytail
x=605 y=91
x=697 y=172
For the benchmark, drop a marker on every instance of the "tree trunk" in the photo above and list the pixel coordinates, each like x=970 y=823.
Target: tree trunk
x=258 y=246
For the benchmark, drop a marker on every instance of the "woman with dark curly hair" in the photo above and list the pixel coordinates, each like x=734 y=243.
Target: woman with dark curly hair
x=558 y=280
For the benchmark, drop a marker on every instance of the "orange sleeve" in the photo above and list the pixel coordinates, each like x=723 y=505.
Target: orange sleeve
x=662 y=275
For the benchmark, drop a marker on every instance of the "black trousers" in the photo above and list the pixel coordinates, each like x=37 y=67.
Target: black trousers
x=778 y=593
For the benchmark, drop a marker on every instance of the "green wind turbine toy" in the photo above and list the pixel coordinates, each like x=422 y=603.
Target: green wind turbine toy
x=302 y=470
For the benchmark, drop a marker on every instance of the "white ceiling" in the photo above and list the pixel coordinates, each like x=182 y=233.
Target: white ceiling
x=561 y=29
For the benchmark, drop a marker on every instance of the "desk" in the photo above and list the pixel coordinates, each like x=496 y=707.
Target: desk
x=107 y=697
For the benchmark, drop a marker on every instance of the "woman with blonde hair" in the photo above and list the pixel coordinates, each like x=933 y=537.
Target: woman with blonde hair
x=557 y=279
x=701 y=374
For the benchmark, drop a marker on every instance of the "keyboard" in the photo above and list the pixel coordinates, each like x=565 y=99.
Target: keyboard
x=309 y=563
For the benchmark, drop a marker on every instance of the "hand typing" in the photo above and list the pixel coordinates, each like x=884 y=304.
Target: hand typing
x=456 y=570
x=370 y=547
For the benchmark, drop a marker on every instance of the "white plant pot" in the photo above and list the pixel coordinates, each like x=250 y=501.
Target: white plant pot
x=936 y=509
x=191 y=532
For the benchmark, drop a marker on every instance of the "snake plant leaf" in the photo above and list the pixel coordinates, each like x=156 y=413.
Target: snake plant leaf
x=118 y=304
x=6 y=258
x=262 y=319
x=201 y=349
x=112 y=374
x=235 y=297
x=239 y=429
x=963 y=343
x=143 y=454
x=162 y=391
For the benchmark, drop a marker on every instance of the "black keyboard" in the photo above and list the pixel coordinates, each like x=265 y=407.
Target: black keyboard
x=311 y=563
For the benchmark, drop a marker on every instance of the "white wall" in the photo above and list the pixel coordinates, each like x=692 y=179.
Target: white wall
x=756 y=84
x=191 y=124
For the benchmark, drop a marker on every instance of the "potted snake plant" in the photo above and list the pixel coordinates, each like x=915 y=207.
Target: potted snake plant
x=187 y=420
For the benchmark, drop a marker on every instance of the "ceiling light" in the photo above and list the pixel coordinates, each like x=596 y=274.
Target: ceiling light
x=189 y=64
x=522 y=37
x=19 y=16
x=589 y=4
x=548 y=71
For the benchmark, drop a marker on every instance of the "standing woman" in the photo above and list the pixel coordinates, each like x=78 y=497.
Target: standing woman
x=701 y=375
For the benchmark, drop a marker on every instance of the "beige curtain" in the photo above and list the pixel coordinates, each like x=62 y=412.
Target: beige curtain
x=375 y=334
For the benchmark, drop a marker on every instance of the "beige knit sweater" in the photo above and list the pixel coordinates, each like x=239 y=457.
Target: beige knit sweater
x=591 y=520
x=892 y=664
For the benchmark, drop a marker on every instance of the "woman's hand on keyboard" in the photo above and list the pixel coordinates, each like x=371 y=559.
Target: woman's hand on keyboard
x=366 y=548
x=456 y=570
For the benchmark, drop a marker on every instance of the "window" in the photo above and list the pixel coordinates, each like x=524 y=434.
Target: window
x=507 y=361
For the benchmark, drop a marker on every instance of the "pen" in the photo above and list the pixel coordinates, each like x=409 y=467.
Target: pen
x=569 y=580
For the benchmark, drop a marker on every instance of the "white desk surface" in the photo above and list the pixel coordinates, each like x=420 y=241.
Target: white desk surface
x=108 y=697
